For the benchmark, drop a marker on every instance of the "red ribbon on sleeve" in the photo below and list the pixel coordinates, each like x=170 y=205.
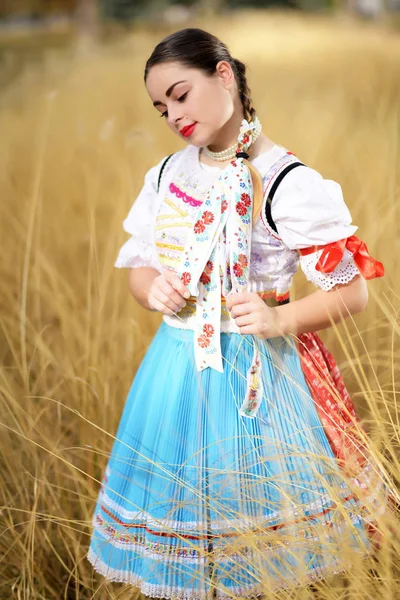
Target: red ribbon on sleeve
x=333 y=253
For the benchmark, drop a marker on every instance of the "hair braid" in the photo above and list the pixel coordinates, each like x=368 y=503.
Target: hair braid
x=244 y=90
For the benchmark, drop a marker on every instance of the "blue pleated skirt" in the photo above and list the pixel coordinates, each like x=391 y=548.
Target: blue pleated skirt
x=198 y=501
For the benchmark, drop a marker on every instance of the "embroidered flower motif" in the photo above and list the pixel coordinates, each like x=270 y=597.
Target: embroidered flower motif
x=245 y=198
x=204 y=278
x=237 y=269
x=208 y=330
x=242 y=260
x=241 y=209
x=199 y=226
x=224 y=206
x=210 y=265
x=203 y=341
x=207 y=217
x=186 y=278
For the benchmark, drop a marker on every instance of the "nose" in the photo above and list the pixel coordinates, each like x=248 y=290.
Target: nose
x=175 y=115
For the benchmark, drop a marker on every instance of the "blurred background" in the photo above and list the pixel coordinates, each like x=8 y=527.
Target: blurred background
x=55 y=21
x=77 y=134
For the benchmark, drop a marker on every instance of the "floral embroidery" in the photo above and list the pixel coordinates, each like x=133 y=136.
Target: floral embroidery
x=204 y=340
x=219 y=263
x=237 y=269
x=186 y=278
x=208 y=217
x=242 y=260
x=272 y=265
x=245 y=198
x=199 y=226
x=204 y=278
x=240 y=267
x=208 y=329
x=217 y=255
x=241 y=208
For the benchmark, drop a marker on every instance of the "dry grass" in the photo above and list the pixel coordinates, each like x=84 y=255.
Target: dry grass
x=77 y=136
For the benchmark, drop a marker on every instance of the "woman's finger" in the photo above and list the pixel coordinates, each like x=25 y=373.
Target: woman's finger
x=241 y=309
x=163 y=307
x=159 y=306
x=176 y=283
x=167 y=289
x=244 y=320
x=170 y=303
x=249 y=330
x=238 y=298
x=159 y=300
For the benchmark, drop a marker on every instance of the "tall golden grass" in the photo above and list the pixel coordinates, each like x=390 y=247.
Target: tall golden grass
x=78 y=133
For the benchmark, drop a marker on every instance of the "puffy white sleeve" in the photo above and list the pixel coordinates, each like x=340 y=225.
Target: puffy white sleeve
x=140 y=249
x=309 y=210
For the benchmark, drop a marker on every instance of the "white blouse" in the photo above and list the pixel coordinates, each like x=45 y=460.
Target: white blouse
x=307 y=210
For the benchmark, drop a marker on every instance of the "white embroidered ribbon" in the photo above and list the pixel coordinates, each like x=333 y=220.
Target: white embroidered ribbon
x=216 y=262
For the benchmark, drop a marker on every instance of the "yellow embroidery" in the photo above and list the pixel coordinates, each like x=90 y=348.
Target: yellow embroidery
x=166 y=257
x=161 y=217
x=183 y=213
x=170 y=246
x=165 y=225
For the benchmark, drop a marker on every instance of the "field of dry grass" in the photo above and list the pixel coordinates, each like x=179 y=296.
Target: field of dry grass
x=78 y=132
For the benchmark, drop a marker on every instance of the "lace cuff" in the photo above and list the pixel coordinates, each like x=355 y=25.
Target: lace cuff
x=137 y=253
x=344 y=272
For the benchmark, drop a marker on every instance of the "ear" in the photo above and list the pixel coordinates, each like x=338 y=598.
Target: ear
x=225 y=73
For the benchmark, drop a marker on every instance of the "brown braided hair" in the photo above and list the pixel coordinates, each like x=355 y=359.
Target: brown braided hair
x=244 y=90
x=196 y=48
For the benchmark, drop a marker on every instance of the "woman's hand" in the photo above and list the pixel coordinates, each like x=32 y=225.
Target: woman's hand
x=167 y=293
x=252 y=315
x=316 y=311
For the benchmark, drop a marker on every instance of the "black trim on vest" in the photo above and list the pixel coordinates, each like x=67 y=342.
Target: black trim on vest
x=162 y=169
x=273 y=189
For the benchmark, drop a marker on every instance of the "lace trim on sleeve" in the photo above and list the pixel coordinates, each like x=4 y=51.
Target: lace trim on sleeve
x=345 y=271
x=137 y=253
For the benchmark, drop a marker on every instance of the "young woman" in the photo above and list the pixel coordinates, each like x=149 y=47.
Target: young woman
x=240 y=465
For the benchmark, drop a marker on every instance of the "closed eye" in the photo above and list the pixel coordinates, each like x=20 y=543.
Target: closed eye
x=181 y=99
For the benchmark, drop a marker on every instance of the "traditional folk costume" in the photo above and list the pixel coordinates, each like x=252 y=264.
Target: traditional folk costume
x=240 y=464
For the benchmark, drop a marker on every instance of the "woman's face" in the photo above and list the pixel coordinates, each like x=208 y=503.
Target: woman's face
x=184 y=96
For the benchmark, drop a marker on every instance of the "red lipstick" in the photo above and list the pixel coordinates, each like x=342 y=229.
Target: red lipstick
x=188 y=130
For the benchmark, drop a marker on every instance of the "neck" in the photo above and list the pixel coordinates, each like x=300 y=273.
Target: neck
x=227 y=135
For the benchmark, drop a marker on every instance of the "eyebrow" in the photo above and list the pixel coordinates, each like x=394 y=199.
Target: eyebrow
x=169 y=91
